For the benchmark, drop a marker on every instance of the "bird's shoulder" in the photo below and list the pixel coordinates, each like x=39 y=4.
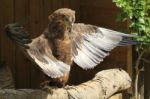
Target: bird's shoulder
x=84 y=28
x=41 y=42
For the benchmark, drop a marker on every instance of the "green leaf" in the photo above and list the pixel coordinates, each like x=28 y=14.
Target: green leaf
x=136 y=11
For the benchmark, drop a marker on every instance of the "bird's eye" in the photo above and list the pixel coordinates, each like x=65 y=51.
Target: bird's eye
x=73 y=19
x=66 y=19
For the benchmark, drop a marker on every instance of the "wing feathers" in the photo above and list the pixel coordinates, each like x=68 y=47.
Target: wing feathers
x=53 y=69
x=41 y=54
x=18 y=34
x=92 y=44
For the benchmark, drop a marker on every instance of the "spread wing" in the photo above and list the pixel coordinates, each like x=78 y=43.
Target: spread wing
x=38 y=49
x=41 y=53
x=91 y=44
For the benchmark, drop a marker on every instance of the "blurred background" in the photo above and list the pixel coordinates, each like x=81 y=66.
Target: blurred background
x=97 y=12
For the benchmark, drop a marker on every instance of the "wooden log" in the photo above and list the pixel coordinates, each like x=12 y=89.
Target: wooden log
x=105 y=84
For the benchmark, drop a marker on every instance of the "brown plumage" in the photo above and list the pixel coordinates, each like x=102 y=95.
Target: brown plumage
x=64 y=41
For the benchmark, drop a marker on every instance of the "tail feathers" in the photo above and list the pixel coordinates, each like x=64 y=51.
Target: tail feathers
x=17 y=33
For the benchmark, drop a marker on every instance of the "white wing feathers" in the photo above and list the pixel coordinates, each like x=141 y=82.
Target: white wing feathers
x=91 y=47
x=43 y=57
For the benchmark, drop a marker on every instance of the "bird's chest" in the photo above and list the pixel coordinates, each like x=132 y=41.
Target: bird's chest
x=62 y=50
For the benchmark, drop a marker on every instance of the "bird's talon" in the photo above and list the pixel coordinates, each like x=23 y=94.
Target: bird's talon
x=69 y=87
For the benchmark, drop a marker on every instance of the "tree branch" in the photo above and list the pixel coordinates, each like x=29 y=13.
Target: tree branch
x=102 y=86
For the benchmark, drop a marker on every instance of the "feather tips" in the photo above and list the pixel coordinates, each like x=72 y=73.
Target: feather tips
x=17 y=33
x=92 y=46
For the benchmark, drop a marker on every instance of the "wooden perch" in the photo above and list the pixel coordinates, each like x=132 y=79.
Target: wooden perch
x=102 y=86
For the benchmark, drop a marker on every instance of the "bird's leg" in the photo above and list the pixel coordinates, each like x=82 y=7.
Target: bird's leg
x=44 y=83
x=52 y=83
x=48 y=89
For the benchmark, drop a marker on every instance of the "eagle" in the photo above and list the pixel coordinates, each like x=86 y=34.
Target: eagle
x=63 y=42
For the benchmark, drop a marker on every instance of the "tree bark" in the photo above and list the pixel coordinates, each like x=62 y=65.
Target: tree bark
x=102 y=86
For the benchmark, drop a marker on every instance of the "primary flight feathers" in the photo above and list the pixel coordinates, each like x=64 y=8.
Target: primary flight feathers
x=89 y=44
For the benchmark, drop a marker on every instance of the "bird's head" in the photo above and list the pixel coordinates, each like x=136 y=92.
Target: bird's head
x=62 y=20
x=64 y=14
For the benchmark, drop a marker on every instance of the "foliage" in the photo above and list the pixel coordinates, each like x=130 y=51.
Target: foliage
x=137 y=12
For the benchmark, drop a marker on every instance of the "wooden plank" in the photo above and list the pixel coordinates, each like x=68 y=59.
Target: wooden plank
x=75 y=5
x=130 y=65
x=98 y=3
x=36 y=28
x=66 y=3
x=100 y=16
x=22 y=63
x=7 y=53
x=36 y=17
x=0 y=26
x=48 y=9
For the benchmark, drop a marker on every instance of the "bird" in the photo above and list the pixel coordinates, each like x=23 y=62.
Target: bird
x=64 y=41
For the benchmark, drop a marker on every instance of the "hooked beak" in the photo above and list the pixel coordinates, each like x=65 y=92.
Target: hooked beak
x=69 y=26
